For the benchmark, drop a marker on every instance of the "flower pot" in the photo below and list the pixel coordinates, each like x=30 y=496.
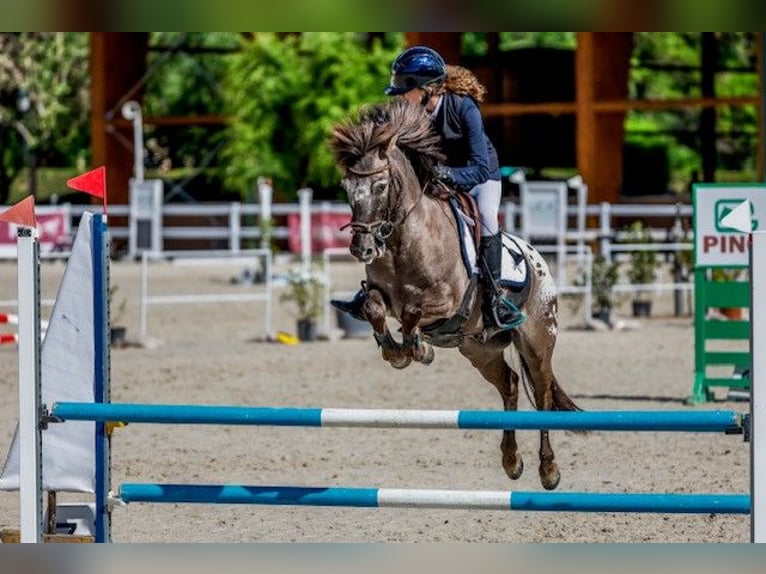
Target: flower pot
x=604 y=315
x=117 y=335
x=307 y=330
x=351 y=326
x=732 y=313
x=641 y=308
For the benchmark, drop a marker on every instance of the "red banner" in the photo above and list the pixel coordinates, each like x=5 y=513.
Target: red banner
x=53 y=228
x=325 y=231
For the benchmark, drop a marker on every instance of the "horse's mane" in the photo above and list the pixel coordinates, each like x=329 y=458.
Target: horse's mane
x=377 y=125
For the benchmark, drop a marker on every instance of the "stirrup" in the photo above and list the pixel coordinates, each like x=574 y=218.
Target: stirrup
x=517 y=317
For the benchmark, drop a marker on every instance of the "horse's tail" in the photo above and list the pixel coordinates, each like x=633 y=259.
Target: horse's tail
x=561 y=400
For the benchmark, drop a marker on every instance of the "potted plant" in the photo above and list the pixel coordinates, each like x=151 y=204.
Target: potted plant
x=603 y=278
x=642 y=268
x=306 y=291
x=604 y=275
x=117 y=306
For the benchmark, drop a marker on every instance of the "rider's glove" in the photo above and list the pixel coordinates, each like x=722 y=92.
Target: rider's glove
x=442 y=173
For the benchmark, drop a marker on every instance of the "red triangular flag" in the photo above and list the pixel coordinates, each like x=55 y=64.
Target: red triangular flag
x=92 y=182
x=23 y=213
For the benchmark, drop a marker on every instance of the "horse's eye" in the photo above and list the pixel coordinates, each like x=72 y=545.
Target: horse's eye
x=380 y=186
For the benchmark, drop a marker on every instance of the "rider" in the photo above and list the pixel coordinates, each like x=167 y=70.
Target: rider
x=450 y=96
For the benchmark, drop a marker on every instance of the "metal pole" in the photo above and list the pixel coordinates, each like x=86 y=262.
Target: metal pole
x=757 y=390
x=304 y=197
x=131 y=110
x=30 y=437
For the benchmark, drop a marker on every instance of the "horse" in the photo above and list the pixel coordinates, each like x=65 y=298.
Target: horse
x=406 y=235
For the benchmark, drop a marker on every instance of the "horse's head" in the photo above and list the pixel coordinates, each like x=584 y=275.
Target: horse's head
x=384 y=156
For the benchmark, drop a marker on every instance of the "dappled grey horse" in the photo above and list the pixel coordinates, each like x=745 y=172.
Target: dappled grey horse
x=409 y=242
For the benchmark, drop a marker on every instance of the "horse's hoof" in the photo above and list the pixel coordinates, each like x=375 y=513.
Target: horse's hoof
x=515 y=469
x=400 y=363
x=428 y=356
x=551 y=478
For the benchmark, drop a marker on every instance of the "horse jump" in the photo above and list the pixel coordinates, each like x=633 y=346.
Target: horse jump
x=711 y=421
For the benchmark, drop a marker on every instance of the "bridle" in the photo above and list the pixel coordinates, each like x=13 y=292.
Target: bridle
x=381 y=229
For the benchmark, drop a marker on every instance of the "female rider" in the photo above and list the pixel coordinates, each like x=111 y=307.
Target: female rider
x=450 y=96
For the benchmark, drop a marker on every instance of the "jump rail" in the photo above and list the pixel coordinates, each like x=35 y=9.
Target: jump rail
x=729 y=422
x=447 y=499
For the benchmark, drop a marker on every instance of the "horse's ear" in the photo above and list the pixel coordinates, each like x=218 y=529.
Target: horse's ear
x=391 y=145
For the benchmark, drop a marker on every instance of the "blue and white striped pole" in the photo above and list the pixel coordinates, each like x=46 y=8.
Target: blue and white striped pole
x=446 y=499
x=689 y=421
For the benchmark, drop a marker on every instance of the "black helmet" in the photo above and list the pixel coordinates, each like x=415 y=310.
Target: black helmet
x=415 y=68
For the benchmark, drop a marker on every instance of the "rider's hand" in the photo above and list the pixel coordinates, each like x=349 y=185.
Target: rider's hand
x=442 y=173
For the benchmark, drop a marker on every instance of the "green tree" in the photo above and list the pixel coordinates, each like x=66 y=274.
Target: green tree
x=187 y=70
x=284 y=93
x=49 y=72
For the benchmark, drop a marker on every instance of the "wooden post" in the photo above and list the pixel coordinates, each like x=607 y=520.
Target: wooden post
x=117 y=64
x=602 y=64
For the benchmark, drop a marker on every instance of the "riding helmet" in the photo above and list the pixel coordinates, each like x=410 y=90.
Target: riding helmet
x=414 y=68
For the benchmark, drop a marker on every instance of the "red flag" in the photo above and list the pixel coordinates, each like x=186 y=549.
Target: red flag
x=92 y=182
x=23 y=213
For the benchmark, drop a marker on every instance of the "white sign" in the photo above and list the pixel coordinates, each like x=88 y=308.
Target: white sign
x=716 y=244
x=543 y=209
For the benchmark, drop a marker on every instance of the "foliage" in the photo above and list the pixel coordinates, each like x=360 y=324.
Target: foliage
x=185 y=79
x=643 y=264
x=51 y=70
x=666 y=66
x=307 y=292
x=475 y=43
x=604 y=276
x=284 y=93
x=727 y=274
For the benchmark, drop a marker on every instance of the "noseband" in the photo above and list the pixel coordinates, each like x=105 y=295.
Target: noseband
x=381 y=229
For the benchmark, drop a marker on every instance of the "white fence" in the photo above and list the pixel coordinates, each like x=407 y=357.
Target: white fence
x=234 y=227
x=258 y=258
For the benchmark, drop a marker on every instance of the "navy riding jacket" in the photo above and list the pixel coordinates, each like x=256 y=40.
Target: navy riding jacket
x=470 y=154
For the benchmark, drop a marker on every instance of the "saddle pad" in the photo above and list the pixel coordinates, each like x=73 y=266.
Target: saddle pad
x=467 y=244
x=514 y=273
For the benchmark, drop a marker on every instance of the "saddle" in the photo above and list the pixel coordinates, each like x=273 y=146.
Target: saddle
x=448 y=332
x=465 y=203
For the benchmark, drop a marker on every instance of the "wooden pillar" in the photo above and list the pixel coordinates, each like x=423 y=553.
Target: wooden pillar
x=448 y=44
x=117 y=63
x=585 y=130
x=602 y=64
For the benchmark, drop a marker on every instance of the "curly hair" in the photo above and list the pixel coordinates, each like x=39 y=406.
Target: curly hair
x=461 y=81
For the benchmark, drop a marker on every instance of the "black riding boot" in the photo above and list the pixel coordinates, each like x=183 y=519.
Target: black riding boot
x=496 y=309
x=354 y=306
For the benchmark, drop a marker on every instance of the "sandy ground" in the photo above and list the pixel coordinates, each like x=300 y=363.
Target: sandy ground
x=212 y=354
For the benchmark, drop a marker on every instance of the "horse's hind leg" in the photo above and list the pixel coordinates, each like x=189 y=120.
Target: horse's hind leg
x=489 y=361
x=537 y=362
x=375 y=311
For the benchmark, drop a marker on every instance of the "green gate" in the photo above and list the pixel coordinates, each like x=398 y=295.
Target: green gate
x=721 y=346
x=711 y=335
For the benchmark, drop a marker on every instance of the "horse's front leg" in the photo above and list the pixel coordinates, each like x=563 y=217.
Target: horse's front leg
x=375 y=311
x=412 y=337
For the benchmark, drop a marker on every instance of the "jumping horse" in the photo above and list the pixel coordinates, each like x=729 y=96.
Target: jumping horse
x=407 y=237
